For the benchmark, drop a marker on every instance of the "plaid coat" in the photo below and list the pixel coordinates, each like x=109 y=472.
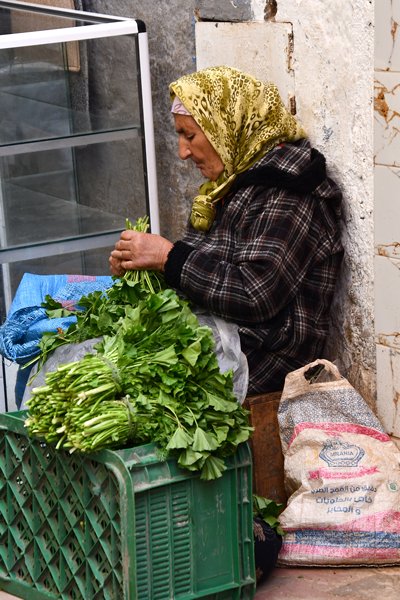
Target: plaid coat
x=270 y=262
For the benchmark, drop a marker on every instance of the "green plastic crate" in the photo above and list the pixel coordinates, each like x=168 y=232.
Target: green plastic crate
x=120 y=525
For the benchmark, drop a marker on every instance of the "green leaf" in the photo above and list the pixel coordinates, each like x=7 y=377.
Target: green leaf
x=220 y=404
x=213 y=468
x=266 y=506
x=166 y=355
x=59 y=313
x=240 y=435
x=192 y=353
x=188 y=458
x=105 y=322
x=180 y=439
x=55 y=309
x=274 y=523
x=221 y=433
x=269 y=511
x=203 y=441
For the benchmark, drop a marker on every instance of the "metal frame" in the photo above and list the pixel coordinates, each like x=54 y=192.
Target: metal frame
x=100 y=26
x=95 y=26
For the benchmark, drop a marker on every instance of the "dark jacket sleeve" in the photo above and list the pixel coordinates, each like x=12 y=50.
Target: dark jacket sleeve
x=175 y=261
x=253 y=262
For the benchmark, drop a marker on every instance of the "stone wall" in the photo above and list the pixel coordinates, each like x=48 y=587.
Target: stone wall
x=170 y=28
x=330 y=59
x=333 y=62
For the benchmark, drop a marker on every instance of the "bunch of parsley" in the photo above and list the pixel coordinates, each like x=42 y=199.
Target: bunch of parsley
x=154 y=378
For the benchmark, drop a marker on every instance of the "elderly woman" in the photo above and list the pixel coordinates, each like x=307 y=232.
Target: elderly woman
x=263 y=245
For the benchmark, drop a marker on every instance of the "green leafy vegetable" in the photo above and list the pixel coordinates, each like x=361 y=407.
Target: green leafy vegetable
x=154 y=378
x=268 y=511
x=152 y=281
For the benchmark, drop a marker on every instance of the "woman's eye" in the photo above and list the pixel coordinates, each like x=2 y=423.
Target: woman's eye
x=190 y=136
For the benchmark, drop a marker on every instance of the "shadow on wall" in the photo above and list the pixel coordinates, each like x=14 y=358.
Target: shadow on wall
x=172 y=53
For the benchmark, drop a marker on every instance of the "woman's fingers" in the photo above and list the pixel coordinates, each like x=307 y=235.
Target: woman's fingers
x=115 y=265
x=138 y=250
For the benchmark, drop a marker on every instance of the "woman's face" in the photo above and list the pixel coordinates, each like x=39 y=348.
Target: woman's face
x=192 y=143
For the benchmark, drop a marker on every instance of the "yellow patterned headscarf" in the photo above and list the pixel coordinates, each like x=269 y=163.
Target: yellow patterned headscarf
x=242 y=117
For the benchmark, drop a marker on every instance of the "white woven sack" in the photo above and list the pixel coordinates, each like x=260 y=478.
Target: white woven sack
x=342 y=475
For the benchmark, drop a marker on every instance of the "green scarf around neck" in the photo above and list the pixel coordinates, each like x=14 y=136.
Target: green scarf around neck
x=242 y=117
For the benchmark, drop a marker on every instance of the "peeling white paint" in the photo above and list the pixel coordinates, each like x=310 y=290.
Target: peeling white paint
x=258 y=8
x=391 y=340
x=387 y=212
x=333 y=72
x=389 y=250
x=387 y=294
x=387 y=32
x=387 y=118
x=388 y=387
x=262 y=49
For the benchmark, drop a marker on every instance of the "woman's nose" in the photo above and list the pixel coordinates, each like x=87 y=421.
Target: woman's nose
x=183 y=149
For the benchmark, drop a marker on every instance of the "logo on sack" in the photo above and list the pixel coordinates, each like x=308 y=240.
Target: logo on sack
x=341 y=454
x=392 y=486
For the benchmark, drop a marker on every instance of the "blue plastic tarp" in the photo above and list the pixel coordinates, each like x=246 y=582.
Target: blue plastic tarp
x=27 y=320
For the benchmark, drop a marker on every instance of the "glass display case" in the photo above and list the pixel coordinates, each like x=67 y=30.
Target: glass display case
x=76 y=143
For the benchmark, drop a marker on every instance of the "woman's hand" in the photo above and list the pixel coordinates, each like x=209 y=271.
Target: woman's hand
x=138 y=250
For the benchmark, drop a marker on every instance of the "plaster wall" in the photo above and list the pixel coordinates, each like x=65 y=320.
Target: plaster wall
x=387 y=212
x=333 y=65
x=170 y=29
x=331 y=48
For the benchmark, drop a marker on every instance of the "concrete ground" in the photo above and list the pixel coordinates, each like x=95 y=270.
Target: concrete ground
x=325 y=584
x=366 y=583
